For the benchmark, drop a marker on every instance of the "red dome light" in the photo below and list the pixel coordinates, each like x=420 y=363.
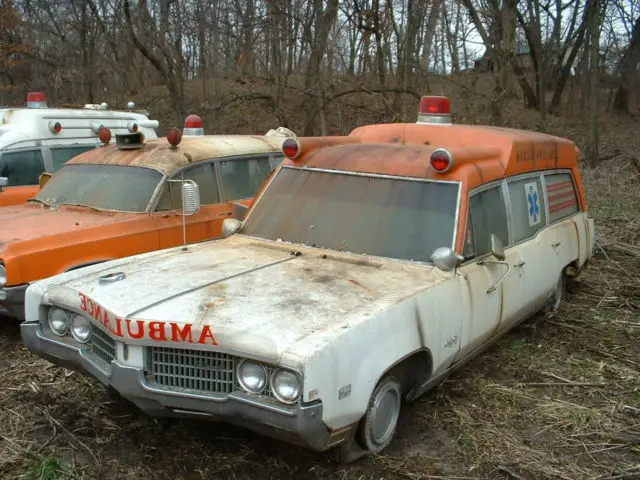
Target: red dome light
x=174 y=136
x=436 y=105
x=104 y=134
x=291 y=148
x=55 y=127
x=193 y=121
x=441 y=160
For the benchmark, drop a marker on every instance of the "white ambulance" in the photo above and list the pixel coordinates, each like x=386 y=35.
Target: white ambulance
x=39 y=139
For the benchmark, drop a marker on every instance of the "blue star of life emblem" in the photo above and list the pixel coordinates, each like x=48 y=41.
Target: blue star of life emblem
x=534 y=205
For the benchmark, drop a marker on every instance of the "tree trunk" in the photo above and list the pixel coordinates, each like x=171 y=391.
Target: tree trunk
x=324 y=20
x=593 y=26
x=625 y=100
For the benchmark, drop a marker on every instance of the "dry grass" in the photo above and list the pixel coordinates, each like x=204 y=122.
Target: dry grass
x=565 y=406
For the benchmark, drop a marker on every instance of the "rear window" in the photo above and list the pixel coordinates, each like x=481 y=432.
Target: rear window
x=561 y=195
x=22 y=167
x=60 y=155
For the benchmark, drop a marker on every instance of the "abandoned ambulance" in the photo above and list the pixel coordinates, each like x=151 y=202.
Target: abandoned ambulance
x=363 y=274
x=39 y=139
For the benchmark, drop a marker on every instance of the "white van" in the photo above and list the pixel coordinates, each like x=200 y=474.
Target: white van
x=39 y=139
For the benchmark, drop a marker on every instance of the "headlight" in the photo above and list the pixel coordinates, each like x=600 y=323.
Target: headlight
x=3 y=276
x=285 y=386
x=252 y=376
x=80 y=328
x=58 y=321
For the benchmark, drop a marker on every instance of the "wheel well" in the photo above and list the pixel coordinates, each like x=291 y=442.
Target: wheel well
x=412 y=370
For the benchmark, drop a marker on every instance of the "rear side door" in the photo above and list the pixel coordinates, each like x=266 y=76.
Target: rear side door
x=22 y=169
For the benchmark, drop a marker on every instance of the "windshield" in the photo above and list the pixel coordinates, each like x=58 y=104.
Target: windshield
x=105 y=187
x=387 y=217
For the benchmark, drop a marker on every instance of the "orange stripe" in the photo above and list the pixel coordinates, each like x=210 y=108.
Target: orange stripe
x=560 y=195
x=562 y=206
x=559 y=186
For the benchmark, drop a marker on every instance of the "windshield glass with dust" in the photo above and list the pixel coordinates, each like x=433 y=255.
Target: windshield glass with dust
x=104 y=187
x=399 y=218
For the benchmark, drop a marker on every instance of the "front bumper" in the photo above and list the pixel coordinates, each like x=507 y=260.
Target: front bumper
x=300 y=425
x=12 y=301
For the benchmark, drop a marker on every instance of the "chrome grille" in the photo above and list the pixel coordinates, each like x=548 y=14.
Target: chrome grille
x=198 y=370
x=195 y=370
x=102 y=345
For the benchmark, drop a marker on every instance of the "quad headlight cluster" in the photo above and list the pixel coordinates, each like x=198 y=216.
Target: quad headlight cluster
x=284 y=384
x=63 y=323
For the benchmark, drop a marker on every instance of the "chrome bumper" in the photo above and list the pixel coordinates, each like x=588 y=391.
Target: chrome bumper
x=301 y=425
x=12 y=301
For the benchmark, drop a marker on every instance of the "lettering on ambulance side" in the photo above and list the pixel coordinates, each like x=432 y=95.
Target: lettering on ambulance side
x=137 y=329
x=537 y=152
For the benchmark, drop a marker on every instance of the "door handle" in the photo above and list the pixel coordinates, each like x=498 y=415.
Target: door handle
x=557 y=244
x=519 y=264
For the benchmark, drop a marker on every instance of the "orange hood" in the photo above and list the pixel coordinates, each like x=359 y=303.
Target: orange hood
x=35 y=235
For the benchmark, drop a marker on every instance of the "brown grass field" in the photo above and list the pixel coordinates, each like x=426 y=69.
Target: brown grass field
x=562 y=405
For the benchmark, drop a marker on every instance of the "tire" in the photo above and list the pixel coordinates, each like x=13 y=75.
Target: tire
x=381 y=418
x=558 y=293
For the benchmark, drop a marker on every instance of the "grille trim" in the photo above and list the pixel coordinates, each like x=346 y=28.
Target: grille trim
x=102 y=345
x=201 y=371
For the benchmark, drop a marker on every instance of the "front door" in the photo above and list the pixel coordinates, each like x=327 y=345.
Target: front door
x=483 y=279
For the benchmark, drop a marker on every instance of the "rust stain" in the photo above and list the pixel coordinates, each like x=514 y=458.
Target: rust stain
x=358 y=284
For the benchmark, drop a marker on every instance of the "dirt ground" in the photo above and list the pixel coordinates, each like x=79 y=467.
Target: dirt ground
x=563 y=405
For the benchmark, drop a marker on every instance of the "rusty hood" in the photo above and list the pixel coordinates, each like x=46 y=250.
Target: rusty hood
x=239 y=294
x=33 y=227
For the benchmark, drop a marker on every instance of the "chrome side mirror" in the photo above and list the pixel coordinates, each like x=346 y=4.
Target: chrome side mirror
x=446 y=259
x=497 y=249
x=4 y=181
x=230 y=226
x=190 y=197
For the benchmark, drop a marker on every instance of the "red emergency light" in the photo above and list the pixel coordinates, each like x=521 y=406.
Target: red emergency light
x=174 y=136
x=193 y=121
x=132 y=127
x=291 y=148
x=36 y=100
x=441 y=160
x=55 y=127
x=104 y=134
x=433 y=104
x=193 y=126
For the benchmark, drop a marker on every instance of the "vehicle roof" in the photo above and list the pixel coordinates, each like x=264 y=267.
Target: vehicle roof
x=160 y=155
x=481 y=153
x=20 y=125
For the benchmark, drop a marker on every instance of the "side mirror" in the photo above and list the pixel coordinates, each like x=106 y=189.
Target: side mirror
x=190 y=197
x=230 y=226
x=43 y=179
x=4 y=181
x=446 y=259
x=239 y=211
x=497 y=249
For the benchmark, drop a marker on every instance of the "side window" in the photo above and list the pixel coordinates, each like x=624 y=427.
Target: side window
x=22 y=168
x=60 y=155
x=527 y=207
x=561 y=195
x=242 y=178
x=204 y=175
x=276 y=161
x=487 y=216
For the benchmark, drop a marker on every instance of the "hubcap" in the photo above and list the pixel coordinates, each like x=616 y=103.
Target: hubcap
x=386 y=410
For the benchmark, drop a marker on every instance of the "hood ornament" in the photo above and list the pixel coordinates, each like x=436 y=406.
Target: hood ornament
x=111 y=278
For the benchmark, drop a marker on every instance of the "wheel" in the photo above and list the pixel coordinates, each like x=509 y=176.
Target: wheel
x=558 y=293
x=381 y=418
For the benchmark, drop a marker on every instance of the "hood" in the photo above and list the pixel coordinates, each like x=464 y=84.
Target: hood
x=241 y=294
x=29 y=222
